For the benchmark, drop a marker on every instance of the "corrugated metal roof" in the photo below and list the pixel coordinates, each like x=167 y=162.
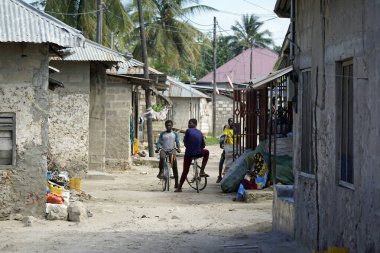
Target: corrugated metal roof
x=179 y=89
x=93 y=52
x=176 y=88
x=134 y=66
x=257 y=84
x=20 y=22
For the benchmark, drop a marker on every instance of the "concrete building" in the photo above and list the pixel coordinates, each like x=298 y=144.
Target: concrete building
x=89 y=116
x=336 y=57
x=27 y=39
x=188 y=103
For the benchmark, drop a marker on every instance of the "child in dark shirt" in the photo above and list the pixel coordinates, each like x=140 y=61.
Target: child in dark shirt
x=195 y=147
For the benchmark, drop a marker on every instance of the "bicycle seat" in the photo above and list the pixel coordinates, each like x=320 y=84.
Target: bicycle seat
x=196 y=157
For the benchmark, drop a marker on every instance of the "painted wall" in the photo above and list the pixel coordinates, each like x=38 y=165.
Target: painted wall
x=23 y=90
x=342 y=216
x=118 y=114
x=69 y=117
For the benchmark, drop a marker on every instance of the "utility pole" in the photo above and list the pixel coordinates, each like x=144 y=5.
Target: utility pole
x=250 y=65
x=111 y=42
x=146 y=76
x=253 y=43
x=214 y=83
x=99 y=22
x=191 y=98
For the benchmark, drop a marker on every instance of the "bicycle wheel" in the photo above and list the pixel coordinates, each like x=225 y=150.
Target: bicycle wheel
x=194 y=180
x=166 y=177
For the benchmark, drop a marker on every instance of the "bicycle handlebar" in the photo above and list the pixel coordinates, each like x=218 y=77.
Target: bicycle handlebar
x=168 y=151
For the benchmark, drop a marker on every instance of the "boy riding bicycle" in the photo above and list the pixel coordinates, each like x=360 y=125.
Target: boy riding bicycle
x=168 y=141
x=195 y=147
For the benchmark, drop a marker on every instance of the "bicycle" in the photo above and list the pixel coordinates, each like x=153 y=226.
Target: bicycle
x=195 y=181
x=168 y=166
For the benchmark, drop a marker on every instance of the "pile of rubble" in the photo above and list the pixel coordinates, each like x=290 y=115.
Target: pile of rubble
x=64 y=199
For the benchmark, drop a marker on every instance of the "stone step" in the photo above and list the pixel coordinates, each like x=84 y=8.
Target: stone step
x=146 y=161
x=253 y=196
x=98 y=175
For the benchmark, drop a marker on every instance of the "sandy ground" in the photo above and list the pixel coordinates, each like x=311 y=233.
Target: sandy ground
x=132 y=214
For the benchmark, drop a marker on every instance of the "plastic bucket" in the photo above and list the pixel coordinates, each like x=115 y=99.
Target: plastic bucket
x=75 y=184
x=56 y=189
x=78 y=185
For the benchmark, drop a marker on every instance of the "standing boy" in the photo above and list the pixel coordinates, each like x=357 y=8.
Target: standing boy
x=228 y=133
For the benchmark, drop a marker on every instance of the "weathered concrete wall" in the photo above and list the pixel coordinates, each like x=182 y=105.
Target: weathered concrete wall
x=327 y=34
x=118 y=114
x=69 y=116
x=23 y=90
x=97 y=139
x=204 y=116
x=181 y=112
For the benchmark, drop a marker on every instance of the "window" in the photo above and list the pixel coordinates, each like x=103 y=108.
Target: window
x=345 y=120
x=7 y=139
x=307 y=125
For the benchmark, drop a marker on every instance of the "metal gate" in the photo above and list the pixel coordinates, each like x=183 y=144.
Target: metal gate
x=250 y=116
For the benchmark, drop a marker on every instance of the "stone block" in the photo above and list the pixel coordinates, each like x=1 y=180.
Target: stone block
x=98 y=175
x=253 y=196
x=77 y=211
x=146 y=161
x=56 y=211
x=283 y=210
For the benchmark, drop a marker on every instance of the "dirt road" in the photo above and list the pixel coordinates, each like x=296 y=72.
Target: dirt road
x=132 y=214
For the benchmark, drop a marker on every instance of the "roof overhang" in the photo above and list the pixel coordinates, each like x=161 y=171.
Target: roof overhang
x=159 y=81
x=282 y=8
x=53 y=83
x=133 y=80
x=261 y=83
x=168 y=100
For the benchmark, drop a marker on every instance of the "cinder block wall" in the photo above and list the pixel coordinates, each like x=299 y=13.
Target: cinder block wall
x=23 y=90
x=118 y=114
x=224 y=111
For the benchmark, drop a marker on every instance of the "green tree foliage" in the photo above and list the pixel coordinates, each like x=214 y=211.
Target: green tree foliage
x=248 y=34
x=173 y=44
x=224 y=53
x=82 y=15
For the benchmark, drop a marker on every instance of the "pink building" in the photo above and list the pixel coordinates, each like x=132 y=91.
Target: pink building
x=238 y=68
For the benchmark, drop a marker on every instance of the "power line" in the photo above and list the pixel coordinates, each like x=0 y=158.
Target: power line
x=183 y=15
x=72 y=14
x=258 y=6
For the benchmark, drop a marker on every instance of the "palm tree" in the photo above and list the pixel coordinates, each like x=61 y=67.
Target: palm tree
x=82 y=15
x=247 y=34
x=173 y=43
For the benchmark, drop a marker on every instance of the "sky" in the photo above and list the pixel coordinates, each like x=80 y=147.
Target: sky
x=231 y=11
